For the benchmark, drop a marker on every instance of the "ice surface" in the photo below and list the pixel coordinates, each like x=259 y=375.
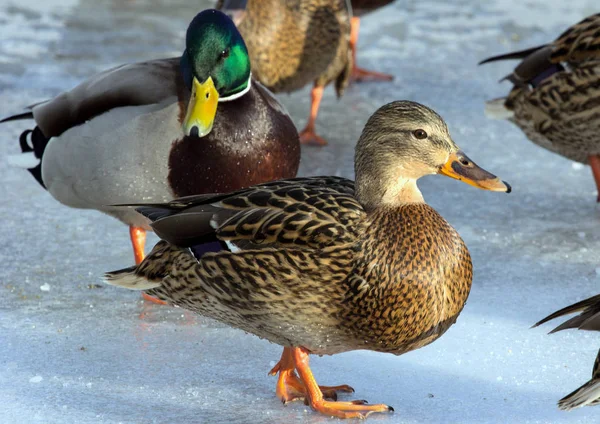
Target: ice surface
x=83 y=352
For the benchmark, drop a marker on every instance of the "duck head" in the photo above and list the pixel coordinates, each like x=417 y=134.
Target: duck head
x=402 y=142
x=215 y=67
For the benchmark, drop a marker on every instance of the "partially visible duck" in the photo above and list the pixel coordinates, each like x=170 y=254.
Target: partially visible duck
x=587 y=319
x=294 y=43
x=555 y=97
x=325 y=265
x=162 y=129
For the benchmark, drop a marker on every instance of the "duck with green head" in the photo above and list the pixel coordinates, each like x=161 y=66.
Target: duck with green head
x=157 y=130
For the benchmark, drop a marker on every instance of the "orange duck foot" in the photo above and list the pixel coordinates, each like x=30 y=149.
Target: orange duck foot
x=352 y=409
x=315 y=397
x=153 y=299
x=594 y=161
x=289 y=386
x=309 y=136
x=361 y=75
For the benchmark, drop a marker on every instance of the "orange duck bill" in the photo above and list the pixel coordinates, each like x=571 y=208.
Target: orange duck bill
x=460 y=167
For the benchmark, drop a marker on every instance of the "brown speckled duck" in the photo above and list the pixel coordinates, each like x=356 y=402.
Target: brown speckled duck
x=325 y=265
x=587 y=319
x=162 y=129
x=555 y=99
x=293 y=43
x=236 y=9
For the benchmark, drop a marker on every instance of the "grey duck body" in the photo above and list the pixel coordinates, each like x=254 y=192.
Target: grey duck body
x=118 y=138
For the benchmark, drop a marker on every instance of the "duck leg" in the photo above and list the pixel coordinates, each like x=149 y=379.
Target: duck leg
x=308 y=134
x=595 y=164
x=289 y=386
x=359 y=74
x=138 y=241
x=352 y=409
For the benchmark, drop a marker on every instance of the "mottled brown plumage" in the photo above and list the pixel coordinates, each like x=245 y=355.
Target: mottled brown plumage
x=293 y=43
x=296 y=42
x=588 y=318
x=556 y=95
x=318 y=267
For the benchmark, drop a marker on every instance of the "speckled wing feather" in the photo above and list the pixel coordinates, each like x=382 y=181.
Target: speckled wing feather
x=302 y=212
x=579 y=43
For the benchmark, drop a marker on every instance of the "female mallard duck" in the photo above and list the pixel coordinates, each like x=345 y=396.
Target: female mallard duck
x=163 y=129
x=556 y=95
x=588 y=319
x=236 y=9
x=297 y=42
x=320 y=267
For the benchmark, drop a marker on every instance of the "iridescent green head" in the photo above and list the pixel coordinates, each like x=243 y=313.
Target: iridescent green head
x=215 y=66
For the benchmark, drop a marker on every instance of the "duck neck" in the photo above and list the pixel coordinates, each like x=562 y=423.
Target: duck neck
x=372 y=195
x=404 y=191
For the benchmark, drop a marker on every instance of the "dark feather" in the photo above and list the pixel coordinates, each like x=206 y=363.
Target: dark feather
x=596 y=368
x=24 y=115
x=521 y=54
x=587 y=320
x=185 y=229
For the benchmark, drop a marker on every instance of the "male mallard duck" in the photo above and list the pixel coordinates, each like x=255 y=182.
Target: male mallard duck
x=297 y=42
x=158 y=130
x=588 y=319
x=361 y=8
x=555 y=98
x=324 y=265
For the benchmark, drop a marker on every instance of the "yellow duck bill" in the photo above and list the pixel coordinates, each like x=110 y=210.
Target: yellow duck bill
x=460 y=167
x=201 y=109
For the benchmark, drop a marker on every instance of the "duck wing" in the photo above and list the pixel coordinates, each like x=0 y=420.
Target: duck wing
x=301 y=212
x=126 y=85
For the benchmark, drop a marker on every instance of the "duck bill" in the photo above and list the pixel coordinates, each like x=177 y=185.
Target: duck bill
x=460 y=167
x=201 y=109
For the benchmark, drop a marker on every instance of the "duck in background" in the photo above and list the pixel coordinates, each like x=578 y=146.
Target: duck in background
x=236 y=8
x=297 y=42
x=325 y=265
x=162 y=129
x=555 y=98
x=587 y=319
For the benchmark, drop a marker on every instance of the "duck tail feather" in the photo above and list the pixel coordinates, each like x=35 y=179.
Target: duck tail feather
x=147 y=275
x=576 y=307
x=512 y=55
x=130 y=279
x=17 y=117
x=585 y=395
x=33 y=144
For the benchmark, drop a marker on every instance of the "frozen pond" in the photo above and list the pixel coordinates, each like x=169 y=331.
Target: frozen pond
x=74 y=350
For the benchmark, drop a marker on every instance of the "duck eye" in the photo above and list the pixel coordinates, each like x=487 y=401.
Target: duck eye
x=420 y=134
x=225 y=53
